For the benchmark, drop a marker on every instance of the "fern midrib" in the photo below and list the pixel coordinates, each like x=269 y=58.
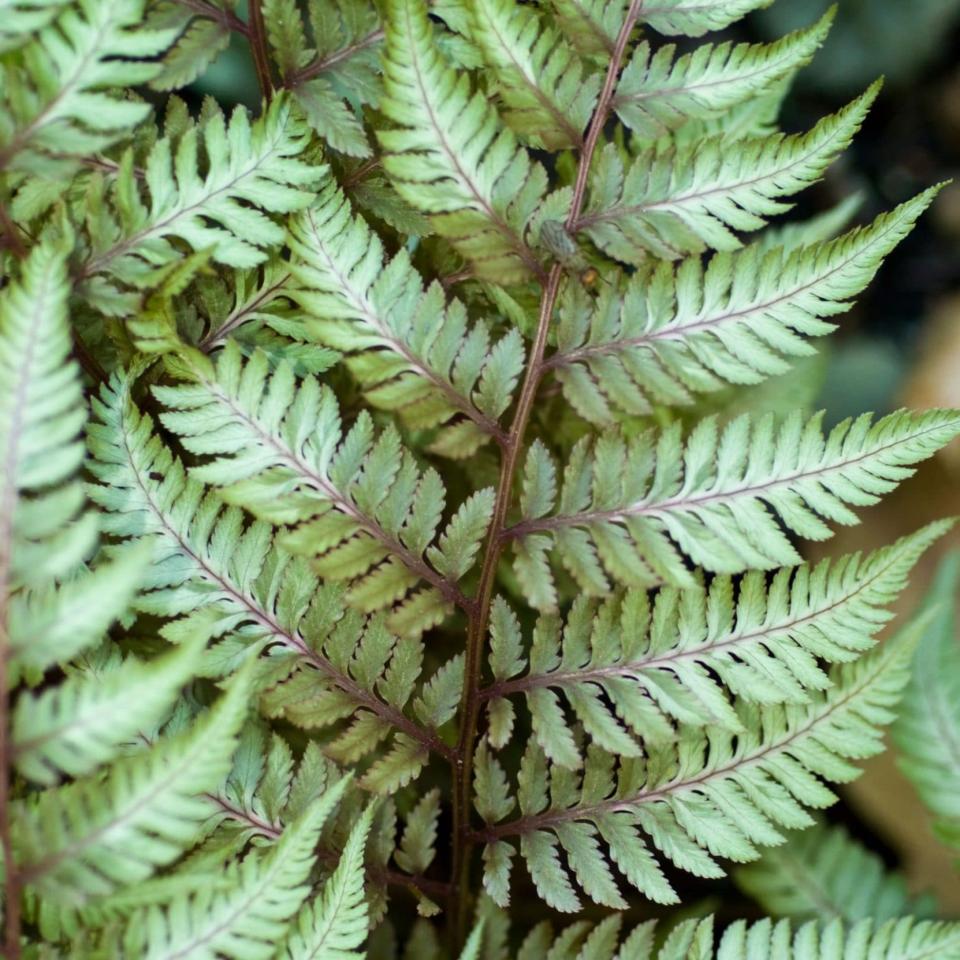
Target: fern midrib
x=705 y=651
x=362 y=304
x=448 y=589
x=292 y=640
x=493 y=216
x=527 y=824
x=807 y=881
x=595 y=28
x=680 y=331
x=619 y=211
x=526 y=73
x=692 y=503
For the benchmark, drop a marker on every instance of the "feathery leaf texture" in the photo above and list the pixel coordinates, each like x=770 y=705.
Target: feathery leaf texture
x=659 y=91
x=260 y=596
x=712 y=794
x=546 y=96
x=412 y=351
x=823 y=872
x=678 y=331
x=628 y=668
x=450 y=156
x=904 y=939
x=252 y=169
x=360 y=507
x=677 y=199
x=64 y=99
x=927 y=732
x=692 y=18
x=631 y=509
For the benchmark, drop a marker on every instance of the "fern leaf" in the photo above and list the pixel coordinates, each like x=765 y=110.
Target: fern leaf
x=692 y=18
x=361 y=509
x=450 y=156
x=683 y=199
x=412 y=351
x=76 y=726
x=73 y=72
x=659 y=91
x=205 y=559
x=823 y=873
x=927 y=733
x=712 y=794
x=246 y=921
x=334 y=926
x=547 y=99
x=203 y=32
x=628 y=669
x=87 y=839
x=675 y=332
x=904 y=939
x=590 y=25
x=630 y=510
x=253 y=170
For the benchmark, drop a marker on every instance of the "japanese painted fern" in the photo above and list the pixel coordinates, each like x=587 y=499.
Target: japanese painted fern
x=374 y=519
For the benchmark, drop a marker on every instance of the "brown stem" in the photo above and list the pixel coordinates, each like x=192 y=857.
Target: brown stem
x=258 y=47
x=321 y=64
x=463 y=840
x=229 y=20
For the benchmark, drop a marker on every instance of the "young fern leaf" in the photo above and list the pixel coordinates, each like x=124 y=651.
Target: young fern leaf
x=905 y=939
x=264 y=893
x=546 y=97
x=659 y=91
x=96 y=835
x=253 y=169
x=450 y=156
x=927 y=732
x=412 y=351
x=63 y=99
x=334 y=926
x=678 y=199
x=678 y=331
x=628 y=669
x=712 y=794
x=693 y=18
x=204 y=558
x=823 y=873
x=359 y=505
x=631 y=510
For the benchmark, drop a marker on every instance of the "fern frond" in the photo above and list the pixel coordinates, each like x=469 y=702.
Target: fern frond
x=252 y=170
x=204 y=558
x=927 y=732
x=684 y=199
x=546 y=96
x=66 y=85
x=334 y=926
x=247 y=920
x=693 y=18
x=905 y=939
x=628 y=669
x=360 y=507
x=74 y=727
x=823 y=873
x=659 y=91
x=412 y=351
x=23 y=19
x=450 y=156
x=740 y=318
x=633 y=509
x=712 y=794
x=89 y=838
